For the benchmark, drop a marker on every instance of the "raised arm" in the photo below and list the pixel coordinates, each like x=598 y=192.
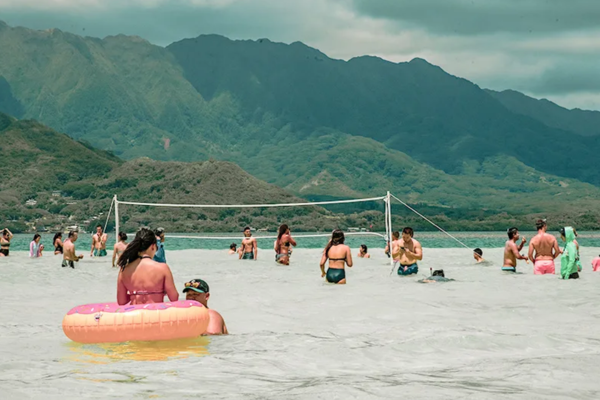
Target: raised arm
x=418 y=253
x=515 y=251
x=170 y=286
x=291 y=240
x=122 y=295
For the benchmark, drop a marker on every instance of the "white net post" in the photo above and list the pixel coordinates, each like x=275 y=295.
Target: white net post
x=116 y=219
x=389 y=223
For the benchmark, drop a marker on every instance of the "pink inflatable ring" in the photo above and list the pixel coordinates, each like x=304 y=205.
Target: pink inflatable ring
x=112 y=323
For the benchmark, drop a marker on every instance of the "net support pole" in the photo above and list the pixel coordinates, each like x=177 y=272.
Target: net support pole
x=116 y=219
x=389 y=217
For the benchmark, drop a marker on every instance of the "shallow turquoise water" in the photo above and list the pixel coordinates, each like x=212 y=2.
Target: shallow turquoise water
x=427 y=239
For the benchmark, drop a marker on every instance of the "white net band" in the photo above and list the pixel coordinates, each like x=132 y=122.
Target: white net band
x=316 y=203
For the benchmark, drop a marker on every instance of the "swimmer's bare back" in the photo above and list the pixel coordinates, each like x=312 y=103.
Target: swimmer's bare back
x=145 y=281
x=545 y=247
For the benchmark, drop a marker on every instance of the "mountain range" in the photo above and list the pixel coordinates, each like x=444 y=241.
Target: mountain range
x=315 y=126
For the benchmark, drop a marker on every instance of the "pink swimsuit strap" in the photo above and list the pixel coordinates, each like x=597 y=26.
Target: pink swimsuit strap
x=143 y=293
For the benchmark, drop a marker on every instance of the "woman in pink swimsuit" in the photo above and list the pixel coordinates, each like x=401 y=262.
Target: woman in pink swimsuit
x=141 y=279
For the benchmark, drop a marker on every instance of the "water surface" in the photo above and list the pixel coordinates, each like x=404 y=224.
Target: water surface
x=487 y=335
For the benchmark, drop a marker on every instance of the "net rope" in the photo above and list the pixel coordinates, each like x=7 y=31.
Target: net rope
x=316 y=203
x=431 y=222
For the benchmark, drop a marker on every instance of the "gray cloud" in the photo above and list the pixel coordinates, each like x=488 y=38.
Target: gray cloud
x=470 y=17
x=487 y=42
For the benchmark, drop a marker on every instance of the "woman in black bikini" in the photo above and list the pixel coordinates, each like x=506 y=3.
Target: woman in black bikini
x=283 y=245
x=141 y=279
x=58 y=244
x=339 y=256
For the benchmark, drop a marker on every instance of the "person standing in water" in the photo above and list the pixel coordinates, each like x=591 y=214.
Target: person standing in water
x=543 y=249
x=99 y=243
x=596 y=264
x=249 y=247
x=160 y=255
x=119 y=247
x=407 y=251
x=57 y=243
x=5 y=242
x=511 y=251
x=35 y=248
x=141 y=279
x=363 y=252
x=283 y=245
x=69 y=257
x=339 y=255
x=568 y=260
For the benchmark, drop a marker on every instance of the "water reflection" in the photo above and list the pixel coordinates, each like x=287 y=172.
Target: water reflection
x=104 y=353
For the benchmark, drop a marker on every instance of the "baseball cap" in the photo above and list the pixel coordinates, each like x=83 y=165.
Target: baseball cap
x=197 y=285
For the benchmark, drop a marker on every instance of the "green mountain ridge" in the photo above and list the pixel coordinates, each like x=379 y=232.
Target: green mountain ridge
x=73 y=183
x=582 y=122
x=291 y=116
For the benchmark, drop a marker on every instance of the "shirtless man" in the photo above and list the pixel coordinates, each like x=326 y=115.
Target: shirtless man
x=546 y=250
x=119 y=248
x=249 y=248
x=407 y=252
x=198 y=290
x=69 y=257
x=511 y=251
x=98 y=243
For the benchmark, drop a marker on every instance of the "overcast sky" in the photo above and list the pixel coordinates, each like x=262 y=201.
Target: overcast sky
x=545 y=48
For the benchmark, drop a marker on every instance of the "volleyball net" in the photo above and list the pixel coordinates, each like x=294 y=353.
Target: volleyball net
x=367 y=217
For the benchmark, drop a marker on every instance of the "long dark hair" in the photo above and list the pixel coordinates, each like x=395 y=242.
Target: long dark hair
x=282 y=230
x=144 y=238
x=37 y=235
x=56 y=236
x=337 y=237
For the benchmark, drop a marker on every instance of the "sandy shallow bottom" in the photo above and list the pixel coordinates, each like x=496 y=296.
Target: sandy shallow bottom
x=486 y=335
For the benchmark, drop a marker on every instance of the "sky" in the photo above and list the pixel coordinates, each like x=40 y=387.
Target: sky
x=544 y=48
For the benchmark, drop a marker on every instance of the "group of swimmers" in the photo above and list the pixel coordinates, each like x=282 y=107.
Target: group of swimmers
x=543 y=250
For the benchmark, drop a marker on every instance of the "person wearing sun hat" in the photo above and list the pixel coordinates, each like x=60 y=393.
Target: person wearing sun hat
x=198 y=290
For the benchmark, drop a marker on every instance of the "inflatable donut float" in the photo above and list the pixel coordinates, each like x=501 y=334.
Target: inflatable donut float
x=112 y=323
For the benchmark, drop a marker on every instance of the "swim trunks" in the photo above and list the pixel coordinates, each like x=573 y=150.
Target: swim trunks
x=542 y=267
x=248 y=256
x=5 y=251
x=574 y=275
x=68 y=263
x=410 y=269
x=278 y=257
x=101 y=253
x=509 y=269
x=334 y=275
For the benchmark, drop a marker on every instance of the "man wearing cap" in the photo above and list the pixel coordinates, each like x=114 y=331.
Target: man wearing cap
x=546 y=250
x=198 y=290
x=160 y=247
